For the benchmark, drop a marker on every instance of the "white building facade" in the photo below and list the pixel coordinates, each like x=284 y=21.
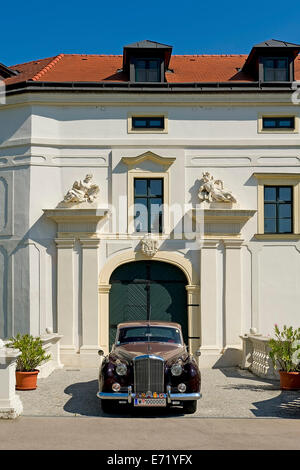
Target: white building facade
x=216 y=164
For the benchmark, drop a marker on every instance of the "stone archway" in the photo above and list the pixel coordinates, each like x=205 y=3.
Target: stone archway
x=192 y=288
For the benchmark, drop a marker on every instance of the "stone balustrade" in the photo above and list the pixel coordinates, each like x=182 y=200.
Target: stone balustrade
x=51 y=346
x=10 y=404
x=256 y=356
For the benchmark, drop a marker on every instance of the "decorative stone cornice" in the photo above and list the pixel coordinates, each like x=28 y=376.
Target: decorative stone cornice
x=76 y=221
x=132 y=161
x=220 y=222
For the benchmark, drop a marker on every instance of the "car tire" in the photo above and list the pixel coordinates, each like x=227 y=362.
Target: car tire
x=190 y=407
x=107 y=406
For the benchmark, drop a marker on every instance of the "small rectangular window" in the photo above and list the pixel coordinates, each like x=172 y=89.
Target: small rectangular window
x=278 y=209
x=278 y=123
x=148 y=123
x=276 y=69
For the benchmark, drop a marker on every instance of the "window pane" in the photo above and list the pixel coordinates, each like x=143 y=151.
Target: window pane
x=269 y=123
x=286 y=122
x=270 y=211
x=284 y=210
x=269 y=63
x=156 y=122
x=281 y=63
x=285 y=193
x=270 y=225
x=156 y=214
x=140 y=187
x=270 y=193
x=280 y=75
x=139 y=122
x=284 y=225
x=141 y=215
x=156 y=187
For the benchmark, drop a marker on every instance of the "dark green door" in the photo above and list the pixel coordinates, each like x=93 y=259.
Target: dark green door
x=145 y=290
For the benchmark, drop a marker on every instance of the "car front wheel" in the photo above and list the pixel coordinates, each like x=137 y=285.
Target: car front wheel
x=190 y=407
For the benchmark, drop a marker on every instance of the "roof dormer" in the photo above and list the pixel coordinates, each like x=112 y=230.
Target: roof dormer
x=6 y=72
x=272 y=61
x=146 y=61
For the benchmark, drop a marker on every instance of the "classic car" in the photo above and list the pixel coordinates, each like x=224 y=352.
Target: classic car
x=149 y=366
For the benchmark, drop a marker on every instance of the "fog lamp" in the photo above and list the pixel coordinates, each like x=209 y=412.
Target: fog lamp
x=116 y=387
x=181 y=388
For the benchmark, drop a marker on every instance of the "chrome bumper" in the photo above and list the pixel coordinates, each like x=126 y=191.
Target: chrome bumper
x=129 y=396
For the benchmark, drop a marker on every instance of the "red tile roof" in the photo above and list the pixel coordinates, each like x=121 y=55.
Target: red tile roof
x=99 y=68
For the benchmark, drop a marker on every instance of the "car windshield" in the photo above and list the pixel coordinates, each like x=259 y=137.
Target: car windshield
x=161 y=334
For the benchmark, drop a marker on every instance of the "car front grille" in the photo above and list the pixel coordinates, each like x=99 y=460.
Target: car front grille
x=148 y=374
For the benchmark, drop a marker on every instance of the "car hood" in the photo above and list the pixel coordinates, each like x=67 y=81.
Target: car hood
x=169 y=352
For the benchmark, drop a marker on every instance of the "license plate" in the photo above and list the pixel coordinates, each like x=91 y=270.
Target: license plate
x=150 y=402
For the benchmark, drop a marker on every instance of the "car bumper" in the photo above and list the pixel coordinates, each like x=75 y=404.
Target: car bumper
x=129 y=396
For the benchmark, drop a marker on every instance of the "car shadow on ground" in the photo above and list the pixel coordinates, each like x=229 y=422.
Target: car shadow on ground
x=286 y=405
x=84 y=402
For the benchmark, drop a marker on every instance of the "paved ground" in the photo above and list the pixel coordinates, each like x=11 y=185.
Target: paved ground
x=64 y=413
x=227 y=393
x=149 y=434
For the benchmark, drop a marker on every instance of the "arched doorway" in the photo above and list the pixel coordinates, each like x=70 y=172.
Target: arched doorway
x=147 y=289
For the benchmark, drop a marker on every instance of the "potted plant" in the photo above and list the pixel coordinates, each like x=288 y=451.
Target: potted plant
x=285 y=352
x=32 y=355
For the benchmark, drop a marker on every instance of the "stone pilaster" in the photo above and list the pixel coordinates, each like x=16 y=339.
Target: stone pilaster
x=193 y=304
x=232 y=292
x=209 y=297
x=65 y=293
x=89 y=296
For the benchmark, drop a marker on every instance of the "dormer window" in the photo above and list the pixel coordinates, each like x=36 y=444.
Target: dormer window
x=272 y=61
x=276 y=69
x=146 y=61
x=147 y=70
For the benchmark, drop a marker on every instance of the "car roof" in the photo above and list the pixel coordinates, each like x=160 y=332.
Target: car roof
x=151 y=323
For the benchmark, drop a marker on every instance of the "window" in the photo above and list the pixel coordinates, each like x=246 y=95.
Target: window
x=278 y=123
x=278 y=209
x=276 y=69
x=278 y=206
x=148 y=200
x=148 y=122
x=147 y=70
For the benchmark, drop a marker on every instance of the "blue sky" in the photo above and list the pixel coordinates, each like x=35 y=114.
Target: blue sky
x=34 y=29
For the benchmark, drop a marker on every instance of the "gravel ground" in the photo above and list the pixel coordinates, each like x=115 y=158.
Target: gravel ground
x=227 y=393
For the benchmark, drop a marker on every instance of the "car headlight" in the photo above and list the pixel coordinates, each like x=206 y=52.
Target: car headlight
x=121 y=369
x=176 y=369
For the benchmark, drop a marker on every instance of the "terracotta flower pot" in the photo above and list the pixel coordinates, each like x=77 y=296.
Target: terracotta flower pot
x=289 y=380
x=26 y=380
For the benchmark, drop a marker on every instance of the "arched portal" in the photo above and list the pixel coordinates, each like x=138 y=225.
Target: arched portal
x=147 y=289
x=166 y=258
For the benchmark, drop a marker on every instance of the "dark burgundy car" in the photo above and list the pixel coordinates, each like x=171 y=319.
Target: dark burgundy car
x=149 y=365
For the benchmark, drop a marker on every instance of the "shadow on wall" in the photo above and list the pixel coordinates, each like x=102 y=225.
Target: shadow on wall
x=230 y=358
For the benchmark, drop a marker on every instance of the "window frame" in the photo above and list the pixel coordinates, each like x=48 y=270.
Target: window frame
x=278 y=179
x=276 y=58
x=147 y=60
x=277 y=204
x=148 y=197
x=150 y=130
x=277 y=130
x=136 y=173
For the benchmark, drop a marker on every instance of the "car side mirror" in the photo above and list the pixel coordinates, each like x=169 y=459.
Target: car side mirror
x=101 y=352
